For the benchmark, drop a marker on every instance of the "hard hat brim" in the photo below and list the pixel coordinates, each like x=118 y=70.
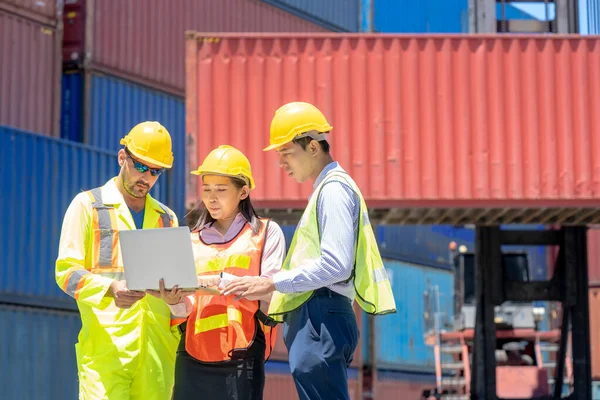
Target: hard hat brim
x=250 y=183
x=274 y=146
x=149 y=160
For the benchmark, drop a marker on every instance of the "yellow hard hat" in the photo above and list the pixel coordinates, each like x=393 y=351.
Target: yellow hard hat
x=294 y=119
x=151 y=142
x=228 y=161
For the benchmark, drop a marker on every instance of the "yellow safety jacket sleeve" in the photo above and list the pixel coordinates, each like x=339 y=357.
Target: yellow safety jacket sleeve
x=72 y=276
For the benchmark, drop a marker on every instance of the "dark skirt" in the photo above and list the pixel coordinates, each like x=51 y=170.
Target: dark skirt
x=232 y=380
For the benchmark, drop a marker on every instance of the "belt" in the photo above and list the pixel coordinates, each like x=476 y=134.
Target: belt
x=326 y=292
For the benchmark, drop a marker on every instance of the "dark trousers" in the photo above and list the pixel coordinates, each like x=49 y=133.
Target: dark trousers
x=232 y=380
x=321 y=337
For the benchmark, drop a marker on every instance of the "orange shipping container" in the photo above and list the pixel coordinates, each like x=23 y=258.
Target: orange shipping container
x=474 y=123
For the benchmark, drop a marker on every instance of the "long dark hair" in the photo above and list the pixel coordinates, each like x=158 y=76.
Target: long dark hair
x=245 y=206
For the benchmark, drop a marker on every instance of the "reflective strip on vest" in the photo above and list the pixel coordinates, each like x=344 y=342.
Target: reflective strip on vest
x=165 y=218
x=380 y=275
x=75 y=282
x=241 y=261
x=218 y=321
x=116 y=275
x=107 y=252
x=372 y=286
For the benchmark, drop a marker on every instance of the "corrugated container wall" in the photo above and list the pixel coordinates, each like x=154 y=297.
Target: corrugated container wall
x=114 y=106
x=43 y=11
x=32 y=222
x=400 y=108
x=589 y=17
x=122 y=41
x=400 y=337
x=334 y=15
x=30 y=74
x=409 y=16
x=593 y=248
x=37 y=353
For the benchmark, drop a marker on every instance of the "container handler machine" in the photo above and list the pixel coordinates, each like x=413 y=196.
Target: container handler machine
x=495 y=326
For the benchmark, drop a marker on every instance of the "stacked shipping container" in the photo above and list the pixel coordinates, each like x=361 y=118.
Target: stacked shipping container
x=335 y=15
x=30 y=44
x=45 y=175
x=143 y=41
x=111 y=106
x=116 y=78
x=408 y=16
x=37 y=353
x=589 y=17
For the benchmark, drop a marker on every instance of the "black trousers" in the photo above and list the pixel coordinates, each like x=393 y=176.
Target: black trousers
x=232 y=380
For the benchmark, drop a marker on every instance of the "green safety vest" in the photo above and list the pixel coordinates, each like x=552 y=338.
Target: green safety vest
x=371 y=283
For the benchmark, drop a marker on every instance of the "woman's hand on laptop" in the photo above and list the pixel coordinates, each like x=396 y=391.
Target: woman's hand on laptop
x=173 y=296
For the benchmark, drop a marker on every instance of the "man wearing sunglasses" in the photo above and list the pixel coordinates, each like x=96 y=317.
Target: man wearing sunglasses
x=127 y=342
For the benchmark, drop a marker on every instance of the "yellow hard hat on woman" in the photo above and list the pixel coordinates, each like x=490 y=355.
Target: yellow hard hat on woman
x=228 y=161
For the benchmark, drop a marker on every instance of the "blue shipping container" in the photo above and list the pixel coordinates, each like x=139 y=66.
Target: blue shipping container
x=589 y=17
x=43 y=176
x=400 y=341
x=37 y=353
x=288 y=234
x=334 y=15
x=409 y=16
x=422 y=244
x=428 y=245
x=115 y=107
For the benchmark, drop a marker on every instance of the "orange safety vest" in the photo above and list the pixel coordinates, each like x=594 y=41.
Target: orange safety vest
x=220 y=328
x=105 y=249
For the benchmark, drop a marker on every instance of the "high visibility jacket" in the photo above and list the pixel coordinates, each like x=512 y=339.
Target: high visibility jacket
x=372 y=286
x=89 y=260
x=220 y=328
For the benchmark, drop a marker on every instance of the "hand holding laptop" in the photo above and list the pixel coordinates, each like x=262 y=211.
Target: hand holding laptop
x=171 y=297
x=124 y=298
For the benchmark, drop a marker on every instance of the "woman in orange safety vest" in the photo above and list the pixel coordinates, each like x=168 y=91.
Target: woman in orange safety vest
x=225 y=339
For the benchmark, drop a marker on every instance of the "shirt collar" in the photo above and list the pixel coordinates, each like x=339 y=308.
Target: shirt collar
x=239 y=218
x=329 y=167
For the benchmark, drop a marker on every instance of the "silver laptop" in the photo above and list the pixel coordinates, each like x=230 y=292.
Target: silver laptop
x=152 y=254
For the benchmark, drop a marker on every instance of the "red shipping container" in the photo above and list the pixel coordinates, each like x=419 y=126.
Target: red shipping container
x=595 y=331
x=31 y=72
x=144 y=40
x=280 y=352
x=282 y=387
x=492 y=127
x=48 y=12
